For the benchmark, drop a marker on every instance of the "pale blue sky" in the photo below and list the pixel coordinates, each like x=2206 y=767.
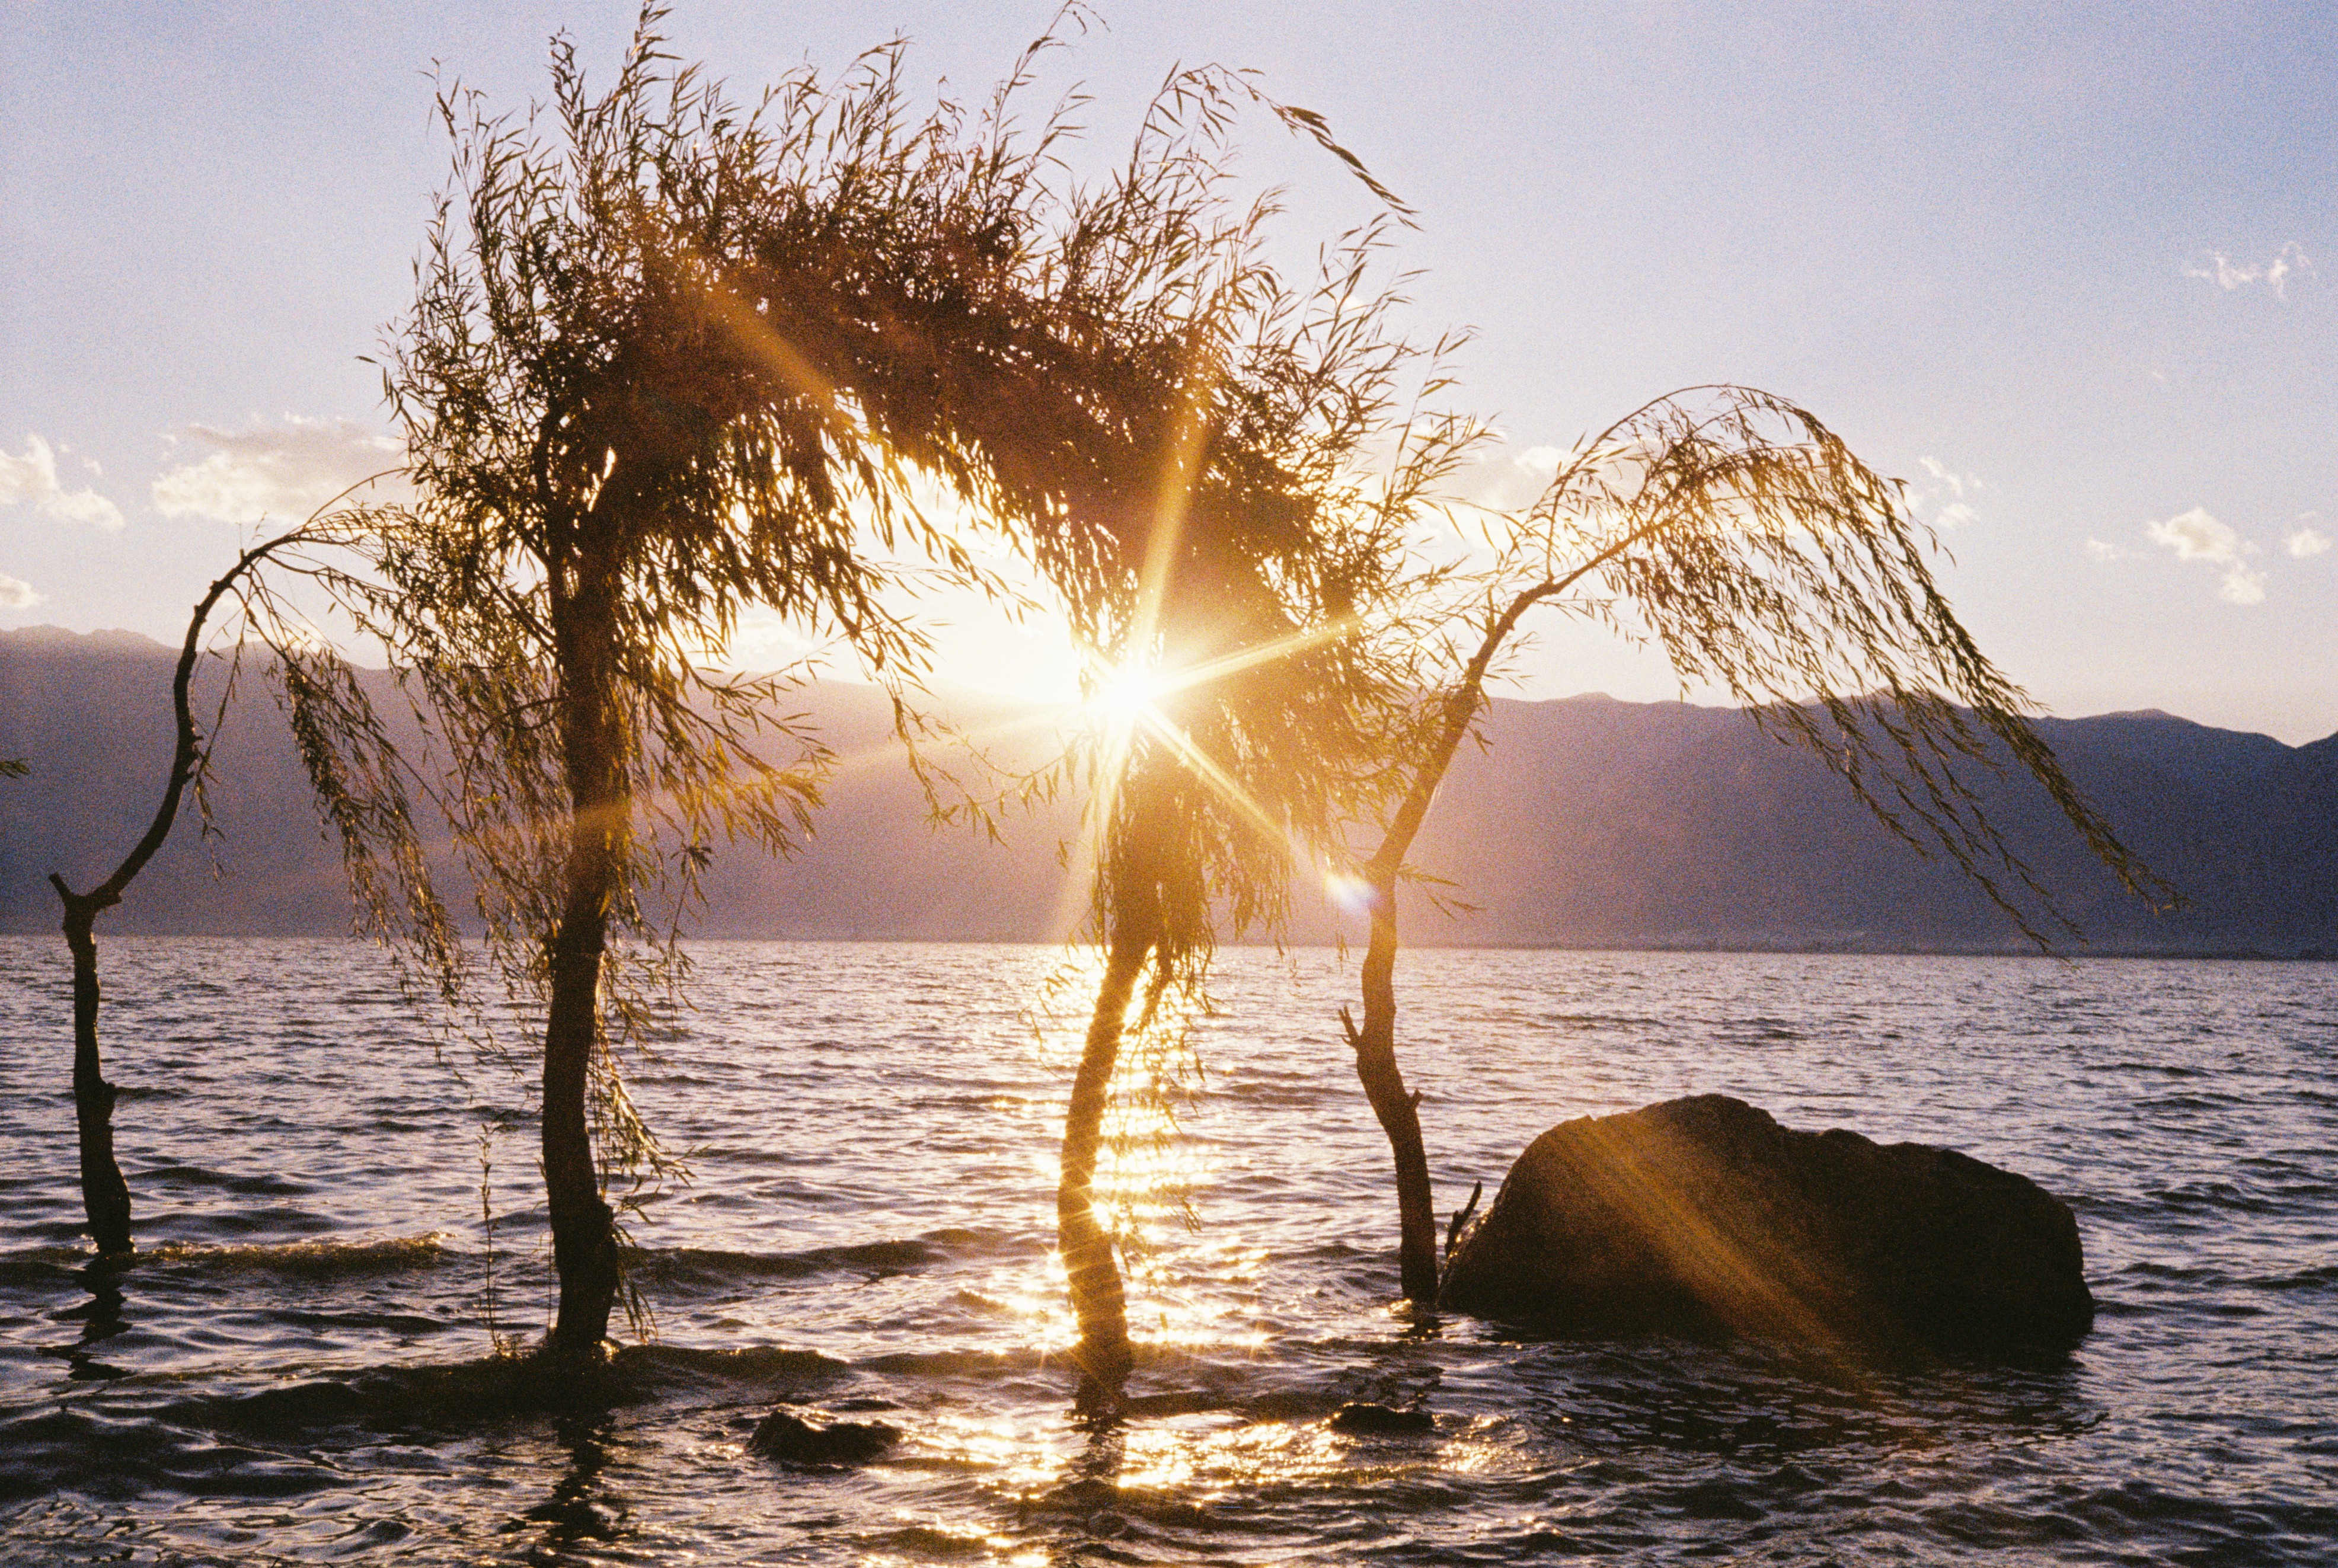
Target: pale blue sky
x=2070 y=268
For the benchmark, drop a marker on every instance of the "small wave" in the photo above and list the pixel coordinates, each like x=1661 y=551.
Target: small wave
x=43 y=1265
x=2207 y=1103
x=2216 y=1195
x=2199 y=1527
x=293 y=1407
x=171 y=1173
x=711 y=1268
x=767 y=1368
x=102 y=1456
x=924 y=1542
x=459 y=1394
x=2188 y=1273
x=982 y=1243
x=308 y=1259
x=402 y=1323
x=961 y=1363
x=1275 y=1095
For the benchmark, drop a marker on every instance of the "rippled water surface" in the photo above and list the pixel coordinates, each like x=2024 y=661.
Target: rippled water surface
x=297 y=1367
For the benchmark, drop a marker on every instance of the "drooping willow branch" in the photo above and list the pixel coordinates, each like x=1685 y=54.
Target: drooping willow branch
x=1735 y=530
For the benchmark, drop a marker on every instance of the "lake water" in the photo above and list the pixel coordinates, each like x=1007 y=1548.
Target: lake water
x=295 y=1368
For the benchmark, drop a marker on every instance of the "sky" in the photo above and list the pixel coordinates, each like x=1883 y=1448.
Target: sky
x=2070 y=270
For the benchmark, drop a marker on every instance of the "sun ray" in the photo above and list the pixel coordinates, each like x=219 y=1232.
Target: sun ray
x=1179 y=474
x=1170 y=683
x=1207 y=769
x=1088 y=848
x=761 y=340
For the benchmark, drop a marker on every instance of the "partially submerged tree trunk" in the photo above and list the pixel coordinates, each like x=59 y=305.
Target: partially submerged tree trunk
x=106 y=1196
x=1101 y=1305
x=593 y=741
x=1398 y=1108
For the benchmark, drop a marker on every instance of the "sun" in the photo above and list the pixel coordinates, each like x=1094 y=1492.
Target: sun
x=1129 y=694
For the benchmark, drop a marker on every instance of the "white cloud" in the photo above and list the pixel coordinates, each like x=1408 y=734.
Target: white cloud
x=2195 y=535
x=1942 y=475
x=32 y=480
x=1955 y=515
x=283 y=472
x=2308 y=542
x=2098 y=550
x=2229 y=275
x=1542 y=462
x=14 y=593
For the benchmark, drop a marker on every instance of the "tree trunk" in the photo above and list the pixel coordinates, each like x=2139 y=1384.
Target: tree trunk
x=1103 y=1353
x=1398 y=1109
x=583 y=1229
x=103 y=1193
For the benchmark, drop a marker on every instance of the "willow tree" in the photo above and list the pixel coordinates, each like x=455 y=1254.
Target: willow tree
x=1734 y=531
x=669 y=359
x=1248 y=462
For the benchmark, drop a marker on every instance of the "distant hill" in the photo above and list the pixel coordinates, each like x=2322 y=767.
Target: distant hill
x=1585 y=822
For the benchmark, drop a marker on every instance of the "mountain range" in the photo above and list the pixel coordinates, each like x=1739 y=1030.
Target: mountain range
x=1581 y=822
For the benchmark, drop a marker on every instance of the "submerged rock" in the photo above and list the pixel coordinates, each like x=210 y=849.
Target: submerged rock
x=1381 y=1420
x=799 y=1442
x=1704 y=1216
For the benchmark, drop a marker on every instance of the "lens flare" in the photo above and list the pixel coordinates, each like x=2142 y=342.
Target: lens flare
x=1350 y=893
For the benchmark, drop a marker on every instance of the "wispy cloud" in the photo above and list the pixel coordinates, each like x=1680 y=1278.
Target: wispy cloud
x=32 y=481
x=761 y=642
x=2195 y=535
x=16 y=593
x=1507 y=478
x=2103 y=550
x=1942 y=495
x=283 y=471
x=2291 y=262
x=1942 y=475
x=2305 y=542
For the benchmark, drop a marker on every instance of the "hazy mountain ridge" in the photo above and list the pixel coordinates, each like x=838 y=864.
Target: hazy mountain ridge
x=1585 y=822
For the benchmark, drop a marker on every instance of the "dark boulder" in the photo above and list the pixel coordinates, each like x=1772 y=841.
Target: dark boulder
x=799 y=1442
x=1704 y=1216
